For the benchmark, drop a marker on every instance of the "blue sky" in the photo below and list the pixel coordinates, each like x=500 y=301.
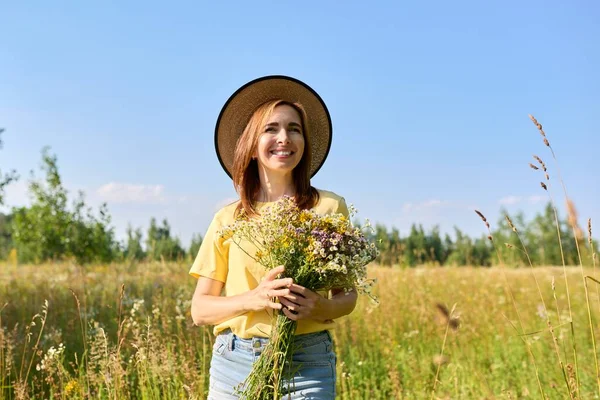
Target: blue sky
x=429 y=101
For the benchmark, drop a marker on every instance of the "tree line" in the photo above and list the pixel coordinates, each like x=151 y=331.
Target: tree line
x=535 y=241
x=51 y=229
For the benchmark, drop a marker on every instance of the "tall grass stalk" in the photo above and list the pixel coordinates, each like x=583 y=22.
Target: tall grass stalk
x=558 y=314
x=35 y=347
x=509 y=290
x=441 y=356
x=84 y=357
x=4 y=373
x=562 y=255
x=593 y=255
x=553 y=205
x=587 y=297
x=546 y=313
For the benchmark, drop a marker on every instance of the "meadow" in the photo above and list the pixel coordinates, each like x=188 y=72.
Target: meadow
x=124 y=331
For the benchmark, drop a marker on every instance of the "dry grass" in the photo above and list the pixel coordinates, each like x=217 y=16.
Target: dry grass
x=150 y=349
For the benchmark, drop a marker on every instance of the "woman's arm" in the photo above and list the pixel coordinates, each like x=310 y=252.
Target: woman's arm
x=303 y=303
x=210 y=308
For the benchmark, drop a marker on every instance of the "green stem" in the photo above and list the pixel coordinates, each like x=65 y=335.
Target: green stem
x=270 y=372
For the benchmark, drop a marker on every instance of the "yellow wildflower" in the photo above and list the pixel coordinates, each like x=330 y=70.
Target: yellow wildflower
x=71 y=387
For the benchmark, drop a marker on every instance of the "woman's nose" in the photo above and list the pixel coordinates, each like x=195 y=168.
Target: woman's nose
x=283 y=137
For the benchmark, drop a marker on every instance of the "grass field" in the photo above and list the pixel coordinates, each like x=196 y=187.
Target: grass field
x=125 y=331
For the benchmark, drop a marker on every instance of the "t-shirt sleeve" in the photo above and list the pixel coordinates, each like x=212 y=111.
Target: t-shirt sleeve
x=343 y=208
x=213 y=255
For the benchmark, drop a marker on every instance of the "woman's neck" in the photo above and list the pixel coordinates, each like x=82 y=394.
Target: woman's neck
x=274 y=187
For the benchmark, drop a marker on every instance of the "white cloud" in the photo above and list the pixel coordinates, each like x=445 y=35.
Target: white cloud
x=434 y=203
x=510 y=200
x=536 y=199
x=131 y=193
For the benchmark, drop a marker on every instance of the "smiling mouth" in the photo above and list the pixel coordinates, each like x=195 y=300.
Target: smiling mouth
x=281 y=153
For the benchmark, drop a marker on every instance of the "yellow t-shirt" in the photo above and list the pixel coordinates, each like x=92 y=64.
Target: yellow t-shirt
x=224 y=261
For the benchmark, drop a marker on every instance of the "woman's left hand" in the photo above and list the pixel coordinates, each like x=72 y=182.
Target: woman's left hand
x=303 y=303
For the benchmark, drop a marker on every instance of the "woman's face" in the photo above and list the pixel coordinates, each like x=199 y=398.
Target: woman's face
x=281 y=145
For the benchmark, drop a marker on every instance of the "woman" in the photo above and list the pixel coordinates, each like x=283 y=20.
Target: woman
x=285 y=137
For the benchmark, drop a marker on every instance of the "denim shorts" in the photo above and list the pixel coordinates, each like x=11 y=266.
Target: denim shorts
x=314 y=362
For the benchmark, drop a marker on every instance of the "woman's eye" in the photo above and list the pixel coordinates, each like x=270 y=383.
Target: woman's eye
x=270 y=129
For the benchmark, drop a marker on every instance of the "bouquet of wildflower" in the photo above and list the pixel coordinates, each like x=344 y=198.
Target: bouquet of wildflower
x=320 y=252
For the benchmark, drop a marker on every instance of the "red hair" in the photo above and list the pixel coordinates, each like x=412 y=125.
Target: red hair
x=245 y=170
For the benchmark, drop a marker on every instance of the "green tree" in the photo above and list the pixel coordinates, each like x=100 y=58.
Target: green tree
x=48 y=230
x=159 y=243
x=462 y=253
x=482 y=252
x=448 y=248
x=435 y=247
x=382 y=242
x=543 y=239
x=195 y=245
x=133 y=247
x=6 y=243
x=416 y=247
x=92 y=239
x=40 y=231
x=396 y=247
x=6 y=179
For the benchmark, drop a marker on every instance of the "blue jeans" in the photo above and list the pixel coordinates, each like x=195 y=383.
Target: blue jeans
x=232 y=360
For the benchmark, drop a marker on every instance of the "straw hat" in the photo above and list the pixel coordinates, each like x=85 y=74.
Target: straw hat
x=237 y=111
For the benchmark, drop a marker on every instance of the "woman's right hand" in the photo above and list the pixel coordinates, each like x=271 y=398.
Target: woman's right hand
x=262 y=296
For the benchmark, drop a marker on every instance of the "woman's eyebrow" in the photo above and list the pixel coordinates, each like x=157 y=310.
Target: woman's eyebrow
x=294 y=124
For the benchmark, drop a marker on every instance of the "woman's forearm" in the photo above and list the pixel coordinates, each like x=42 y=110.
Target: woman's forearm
x=212 y=310
x=340 y=304
x=209 y=308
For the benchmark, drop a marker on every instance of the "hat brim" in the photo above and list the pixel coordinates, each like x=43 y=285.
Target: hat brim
x=240 y=106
